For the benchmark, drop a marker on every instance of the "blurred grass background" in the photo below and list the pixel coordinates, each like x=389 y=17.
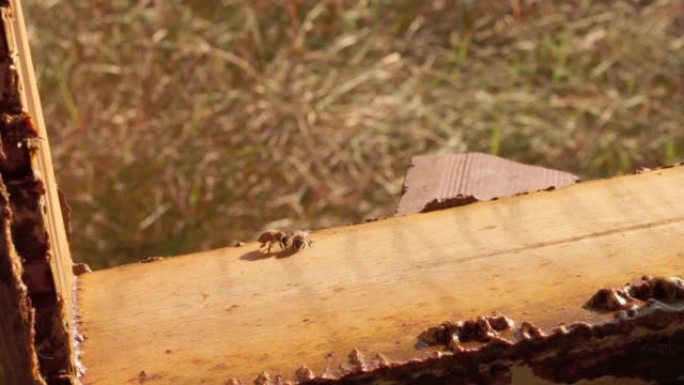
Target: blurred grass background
x=180 y=126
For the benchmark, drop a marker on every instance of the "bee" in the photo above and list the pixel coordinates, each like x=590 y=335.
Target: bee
x=272 y=237
x=298 y=240
x=80 y=268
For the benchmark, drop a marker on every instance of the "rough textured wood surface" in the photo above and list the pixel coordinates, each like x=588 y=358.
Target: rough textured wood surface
x=18 y=360
x=231 y=313
x=37 y=227
x=42 y=163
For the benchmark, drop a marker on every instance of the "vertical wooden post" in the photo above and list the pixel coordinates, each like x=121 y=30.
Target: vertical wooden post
x=37 y=262
x=42 y=163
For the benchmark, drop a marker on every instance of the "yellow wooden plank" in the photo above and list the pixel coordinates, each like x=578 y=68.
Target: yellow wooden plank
x=229 y=313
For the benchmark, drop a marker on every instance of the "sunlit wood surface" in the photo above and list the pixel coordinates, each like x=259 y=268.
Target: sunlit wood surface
x=231 y=313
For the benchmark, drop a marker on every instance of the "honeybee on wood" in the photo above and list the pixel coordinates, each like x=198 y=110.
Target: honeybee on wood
x=272 y=237
x=80 y=268
x=298 y=240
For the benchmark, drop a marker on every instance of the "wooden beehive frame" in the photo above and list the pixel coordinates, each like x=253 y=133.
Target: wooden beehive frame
x=233 y=313
x=49 y=277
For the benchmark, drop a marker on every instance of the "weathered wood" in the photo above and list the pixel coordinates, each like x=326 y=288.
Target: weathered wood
x=231 y=313
x=61 y=260
x=37 y=228
x=18 y=360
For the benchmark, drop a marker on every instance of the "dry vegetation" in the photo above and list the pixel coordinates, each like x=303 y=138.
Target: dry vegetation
x=181 y=125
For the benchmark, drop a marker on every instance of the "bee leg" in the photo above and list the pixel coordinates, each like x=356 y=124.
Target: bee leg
x=270 y=244
x=285 y=243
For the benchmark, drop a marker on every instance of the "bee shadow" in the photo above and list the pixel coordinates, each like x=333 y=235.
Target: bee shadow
x=255 y=255
x=285 y=253
x=258 y=255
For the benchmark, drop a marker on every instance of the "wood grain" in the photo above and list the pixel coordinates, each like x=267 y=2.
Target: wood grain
x=449 y=180
x=231 y=313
